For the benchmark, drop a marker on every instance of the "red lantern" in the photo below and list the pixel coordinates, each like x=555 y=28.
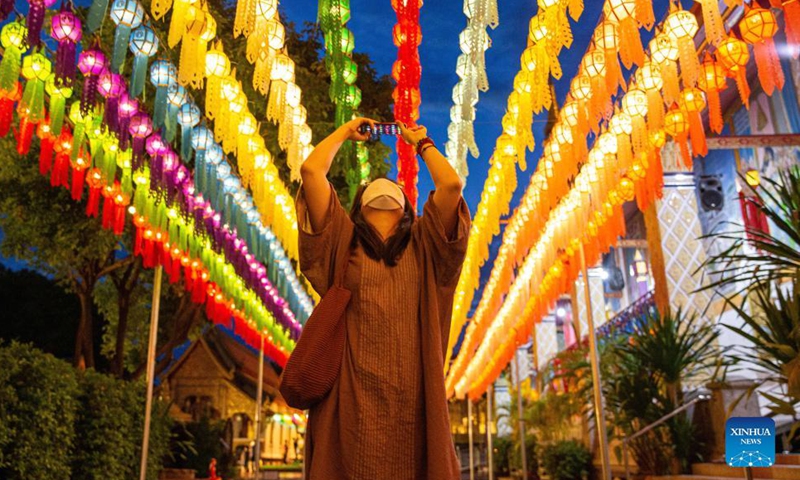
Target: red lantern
x=758 y=26
x=59 y=176
x=79 y=166
x=712 y=81
x=733 y=55
x=94 y=178
x=46 y=139
x=7 y=101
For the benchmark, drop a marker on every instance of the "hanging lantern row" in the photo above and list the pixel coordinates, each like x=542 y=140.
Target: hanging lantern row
x=548 y=35
x=131 y=128
x=193 y=26
x=95 y=154
x=471 y=70
x=236 y=130
x=633 y=139
x=273 y=76
x=295 y=135
x=407 y=72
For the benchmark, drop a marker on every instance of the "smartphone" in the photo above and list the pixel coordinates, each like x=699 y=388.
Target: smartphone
x=381 y=128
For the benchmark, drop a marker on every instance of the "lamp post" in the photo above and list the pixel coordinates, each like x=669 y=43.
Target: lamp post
x=151 y=368
x=599 y=407
x=489 y=449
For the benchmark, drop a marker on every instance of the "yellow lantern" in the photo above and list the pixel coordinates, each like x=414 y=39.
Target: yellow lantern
x=682 y=26
x=620 y=124
x=623 y=13
x=664 y=52
x=627 y=189
x=538 y=29
x=634 y=103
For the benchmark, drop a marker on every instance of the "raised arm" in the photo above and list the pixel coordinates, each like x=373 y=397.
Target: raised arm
x=448 y=184
x=314 y=170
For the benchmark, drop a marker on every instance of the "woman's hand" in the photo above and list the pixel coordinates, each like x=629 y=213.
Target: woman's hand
x=413 y=135
x=352 y=129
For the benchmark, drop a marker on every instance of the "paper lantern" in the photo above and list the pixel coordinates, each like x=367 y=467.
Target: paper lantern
x=140 y=127
x=734 y=55
x=66 y=30
x=682 y=26
x=12 y=37
x=162 y=75
x=188 y=118
x=664 y=52
x=111 y=86
x=693 y=103
x=650 y=79
x=607 y=39
x=127 y=15
x=35 y=19
x=143 y=45
x=622 y=13
x=758 y=26
x=712 y=81
x=58 y=94
x=80 y=124
x=128 y=107
x=676 y=124
x=91 y=63
x=35 y=69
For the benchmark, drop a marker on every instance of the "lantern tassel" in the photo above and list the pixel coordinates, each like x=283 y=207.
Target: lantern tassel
x=77 y=140
x=743 y=86
x=89 y=94
x=111 y=114
x=10 y=69
x=122 y=39
x=690 y=64
x=6 y=115
x=655 y=110
x=35 y=21
x=60 y=170
x=697 y=134
x=714 y=110
x=644 y=13
x=24 y=135
x=791 y=17
x=97 y=14
x=770 y=73
x=712 y=21
x=77 y=183
x=93 y=205
x=57 y=108
x=160 y=108
x=65 y=62
x=45 y=155
x=631 y=50
x=138 y=75
x=32 y=103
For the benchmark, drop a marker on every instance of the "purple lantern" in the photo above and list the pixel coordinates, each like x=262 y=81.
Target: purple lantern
x=128 y=107
x=36 y=20
x=66 y=30
x=140 y=127
x=111 y=86
x=91 y=63
x=156 y=148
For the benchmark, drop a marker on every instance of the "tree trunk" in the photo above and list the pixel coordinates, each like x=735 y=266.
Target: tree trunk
x=84 y=344
x=123 y=307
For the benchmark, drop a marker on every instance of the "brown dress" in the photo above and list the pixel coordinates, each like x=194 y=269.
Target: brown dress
x=387 y=417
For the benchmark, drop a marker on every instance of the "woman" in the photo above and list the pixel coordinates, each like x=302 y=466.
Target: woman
x=386 y=417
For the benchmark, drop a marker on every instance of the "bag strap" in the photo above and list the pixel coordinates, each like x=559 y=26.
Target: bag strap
x=341 y=263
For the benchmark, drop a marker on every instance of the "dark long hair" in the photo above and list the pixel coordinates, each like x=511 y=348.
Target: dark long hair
x=370 y=239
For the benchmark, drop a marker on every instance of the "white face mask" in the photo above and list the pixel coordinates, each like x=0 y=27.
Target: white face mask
x=383 y=194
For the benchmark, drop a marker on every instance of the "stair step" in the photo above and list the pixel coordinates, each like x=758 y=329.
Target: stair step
x=787 y=459
x=776 y=472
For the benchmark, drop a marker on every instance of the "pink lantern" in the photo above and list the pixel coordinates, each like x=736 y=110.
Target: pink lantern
x=140 y=128
x=111 y=87
x=66 y=30
x=128 y=107
x=91 y=63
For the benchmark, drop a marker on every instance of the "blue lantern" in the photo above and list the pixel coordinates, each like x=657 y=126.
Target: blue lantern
x=176 y=98
x=127 y=14
x=162 y=75
x=188 y=118
x=144 y=45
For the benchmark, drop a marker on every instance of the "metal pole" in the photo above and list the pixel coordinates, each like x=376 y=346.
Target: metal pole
x=151 y=369
x=259 y=393
x=748 y=473
x=469 y=430
x=523 y=452
x=489 y=445
x=599 y=407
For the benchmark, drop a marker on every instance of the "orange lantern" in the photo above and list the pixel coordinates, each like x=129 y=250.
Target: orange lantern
x=791 y=17
x=622 y=12
x=606 y=39
x=676 y=124
x=733 y=55
x=634 y=103
x=682 y=26
x=712 y=81
x=594 y=66
x=758 y=26
x=693 y=103
x=622 y=126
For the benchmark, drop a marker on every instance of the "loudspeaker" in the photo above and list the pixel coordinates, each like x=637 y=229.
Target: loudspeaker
x=711 y=197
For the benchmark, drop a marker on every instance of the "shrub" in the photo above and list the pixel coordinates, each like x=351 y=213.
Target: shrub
x=502 y=448
x=38 y=401
x=567 y=460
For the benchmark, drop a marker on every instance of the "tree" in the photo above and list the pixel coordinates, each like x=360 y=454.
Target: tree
x=49 y=231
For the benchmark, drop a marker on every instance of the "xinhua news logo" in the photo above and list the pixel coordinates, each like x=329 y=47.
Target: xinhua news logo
x=750 y=442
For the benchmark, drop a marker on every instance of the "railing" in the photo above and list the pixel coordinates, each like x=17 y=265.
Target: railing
x=626 y=440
